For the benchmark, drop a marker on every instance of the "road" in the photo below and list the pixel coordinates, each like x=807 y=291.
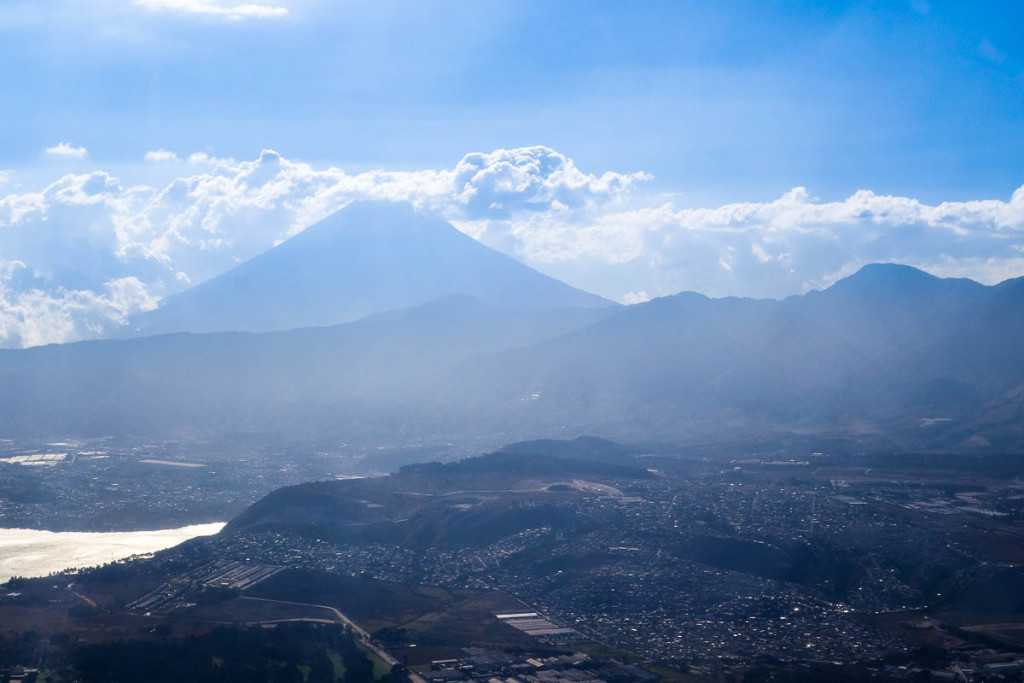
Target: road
x=364 y=637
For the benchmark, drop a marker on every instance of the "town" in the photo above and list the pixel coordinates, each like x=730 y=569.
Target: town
x=707 y=567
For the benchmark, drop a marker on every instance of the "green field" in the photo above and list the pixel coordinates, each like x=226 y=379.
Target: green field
x=380 y=667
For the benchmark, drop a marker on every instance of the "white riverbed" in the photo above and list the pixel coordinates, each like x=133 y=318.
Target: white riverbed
x=27 y=552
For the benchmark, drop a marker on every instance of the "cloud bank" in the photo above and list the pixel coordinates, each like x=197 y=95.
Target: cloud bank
x=778 y=248
x=80 y=256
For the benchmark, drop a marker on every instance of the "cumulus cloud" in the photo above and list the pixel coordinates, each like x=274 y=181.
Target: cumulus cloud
x=159 y=156
x=212 y=8
x=66 y=149
x=34 y=316
x=504 y=182
x=89 y=250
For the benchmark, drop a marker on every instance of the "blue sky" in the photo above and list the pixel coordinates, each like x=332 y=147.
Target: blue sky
x=633 y=149
x=720 y=102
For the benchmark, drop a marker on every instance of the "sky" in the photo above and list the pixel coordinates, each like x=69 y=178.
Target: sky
x=633 y=149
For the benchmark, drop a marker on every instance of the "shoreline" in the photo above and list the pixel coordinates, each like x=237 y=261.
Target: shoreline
x=108 y=529
x=33 y=553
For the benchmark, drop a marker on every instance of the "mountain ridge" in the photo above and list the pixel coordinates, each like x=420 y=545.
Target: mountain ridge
x=852 y=362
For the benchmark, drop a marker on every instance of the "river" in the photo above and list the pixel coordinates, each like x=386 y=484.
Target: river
x=29 y=553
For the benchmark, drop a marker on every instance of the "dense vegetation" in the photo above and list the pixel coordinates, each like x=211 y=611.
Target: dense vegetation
x=292 y=653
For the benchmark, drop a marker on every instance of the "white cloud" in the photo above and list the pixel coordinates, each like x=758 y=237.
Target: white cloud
x=159 y=156
x=777 y=248
x=66 y=149
x=33 y=316
x=505 y=181
x=636 y=297
x=213 y=8
x=91 y=250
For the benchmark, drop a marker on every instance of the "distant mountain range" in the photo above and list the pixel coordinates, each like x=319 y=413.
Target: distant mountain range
x=367 y=258
x=890 y=354
x=890 y=357
x=377 y=376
